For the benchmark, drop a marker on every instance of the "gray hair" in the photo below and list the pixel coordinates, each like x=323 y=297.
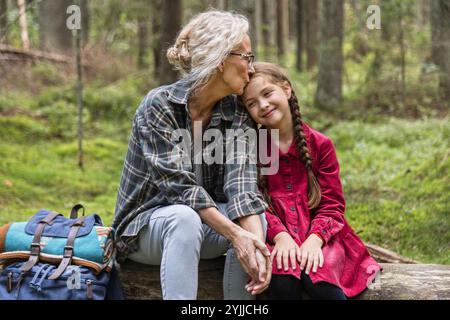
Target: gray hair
x=204 y=43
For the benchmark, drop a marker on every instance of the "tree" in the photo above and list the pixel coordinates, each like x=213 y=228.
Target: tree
x=171 y=25
x=142 y=42
x=23 y=24
x=299 y=24
x=282 y=27
x=265 y=25
x=440 y=28
x=247 y=8
x=223 y=4
x=329 y=83
x=312 y=32
x=207 y=4
x=4 y=21
x=156 y=37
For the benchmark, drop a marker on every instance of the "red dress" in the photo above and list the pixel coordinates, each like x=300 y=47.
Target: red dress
x=347 y=262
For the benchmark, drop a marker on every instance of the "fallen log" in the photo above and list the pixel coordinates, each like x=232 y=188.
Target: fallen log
x=387 y=256
x=396 y=281
x=8 y=53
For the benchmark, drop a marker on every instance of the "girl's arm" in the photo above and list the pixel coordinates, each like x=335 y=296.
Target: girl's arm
x=329 y=216
x=274 y=226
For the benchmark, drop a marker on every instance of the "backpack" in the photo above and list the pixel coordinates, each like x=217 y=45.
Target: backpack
x=52 y=257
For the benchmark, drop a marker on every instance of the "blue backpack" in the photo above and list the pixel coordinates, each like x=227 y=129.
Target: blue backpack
x=52 y=257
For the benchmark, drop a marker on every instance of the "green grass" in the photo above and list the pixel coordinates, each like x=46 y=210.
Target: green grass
x=394 y=172
x=396 y=181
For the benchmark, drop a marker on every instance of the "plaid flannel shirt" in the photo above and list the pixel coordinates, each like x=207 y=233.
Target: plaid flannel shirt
x=151 y=179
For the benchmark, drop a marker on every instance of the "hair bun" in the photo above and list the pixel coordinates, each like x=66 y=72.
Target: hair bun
x=179 y=55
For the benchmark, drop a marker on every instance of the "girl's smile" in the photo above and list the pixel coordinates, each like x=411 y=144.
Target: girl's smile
x=267 y=103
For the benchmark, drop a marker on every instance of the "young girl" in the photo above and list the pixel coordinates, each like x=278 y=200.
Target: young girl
x=313 y=247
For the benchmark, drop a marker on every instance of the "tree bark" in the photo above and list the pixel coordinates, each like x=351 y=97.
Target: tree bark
x=396 y=281
x=329 y=84
x=444 y=51
x=142 y=42
x=266 y=27
x=299 y=42
x=247 y=8
x=23 y=25
x=171 y=25
x=312 y=32
x=207 y=4
x=223 y=5
x=156 y=37
x=282 y=20
x=4 y=21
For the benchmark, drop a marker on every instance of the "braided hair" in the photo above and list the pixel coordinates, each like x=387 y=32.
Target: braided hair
x=277 y=76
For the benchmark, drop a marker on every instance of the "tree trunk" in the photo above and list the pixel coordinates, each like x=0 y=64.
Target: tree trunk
x=396 y=281
x=444 y=51
x=223 y=5
x=4 y=21
x=423 y=12
x=23 y=25
x=292 y=12
x=207 y=4
x=171 y=25
x=266 y=29
x=312 y=32
x=142 y=42
x=85 y=21
x=300 y=48
x=282 y=20
x=401 y=41
x=329 y=84
x=79 y=93
x=247 y=8
x=53 y=31
x=156 y=37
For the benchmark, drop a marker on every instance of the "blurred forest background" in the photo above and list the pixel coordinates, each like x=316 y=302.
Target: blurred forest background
x=382 y=95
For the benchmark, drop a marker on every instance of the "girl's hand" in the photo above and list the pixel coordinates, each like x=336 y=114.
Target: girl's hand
x=311 y=254
x=286 y=250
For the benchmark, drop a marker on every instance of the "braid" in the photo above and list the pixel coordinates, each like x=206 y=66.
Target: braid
x=314 y=193
x=263 y=187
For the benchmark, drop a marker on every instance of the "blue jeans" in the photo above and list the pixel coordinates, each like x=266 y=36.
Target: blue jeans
x=176 y=239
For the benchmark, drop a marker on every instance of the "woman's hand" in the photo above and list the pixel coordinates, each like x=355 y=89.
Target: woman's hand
x=255 y=287
x=311 y=254
x=285 y=251
x=245 y=244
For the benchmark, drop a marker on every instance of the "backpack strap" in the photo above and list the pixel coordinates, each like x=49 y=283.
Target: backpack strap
x=74 y=211
x=35 y=248
x=68 y=249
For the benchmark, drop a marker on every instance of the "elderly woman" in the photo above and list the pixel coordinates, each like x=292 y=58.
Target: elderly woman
x=173 y=213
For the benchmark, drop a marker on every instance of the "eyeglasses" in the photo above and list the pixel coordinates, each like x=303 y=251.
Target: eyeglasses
x=248 y=57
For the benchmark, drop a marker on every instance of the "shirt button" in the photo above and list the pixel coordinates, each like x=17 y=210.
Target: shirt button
x=289 y=186
x=324 y=231
x=295 y=230
x=286 y=160
x=292 y=208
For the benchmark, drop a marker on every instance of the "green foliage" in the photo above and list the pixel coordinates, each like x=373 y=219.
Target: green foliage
x=395 y=178
x=46 y=73
x=62 y=119
x=22 y=129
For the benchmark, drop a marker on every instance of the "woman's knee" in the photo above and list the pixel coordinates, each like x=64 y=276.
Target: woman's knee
x=184 y=222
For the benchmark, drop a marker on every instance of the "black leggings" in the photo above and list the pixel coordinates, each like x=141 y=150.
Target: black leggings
x=287 y=287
